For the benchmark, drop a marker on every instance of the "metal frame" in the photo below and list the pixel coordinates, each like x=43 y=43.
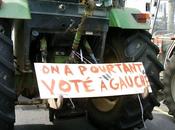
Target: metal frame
x=48 y=17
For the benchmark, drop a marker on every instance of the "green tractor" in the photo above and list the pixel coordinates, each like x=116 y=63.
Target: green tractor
x=53 y=31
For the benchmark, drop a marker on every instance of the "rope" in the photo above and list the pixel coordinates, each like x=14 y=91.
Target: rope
x=140 y=102
x=73 y=105
x=79 y=56
x=83 y=59
x=142 y=111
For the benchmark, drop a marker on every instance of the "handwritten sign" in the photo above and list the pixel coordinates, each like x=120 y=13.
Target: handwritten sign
x=90 y=80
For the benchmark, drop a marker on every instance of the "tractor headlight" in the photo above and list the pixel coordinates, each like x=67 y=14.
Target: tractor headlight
x=99 y=3
x=106 y=3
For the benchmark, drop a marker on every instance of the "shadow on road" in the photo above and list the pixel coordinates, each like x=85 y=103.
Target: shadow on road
x=72 y=124
x=160 y=122
x=37 y=119
x=35 y=127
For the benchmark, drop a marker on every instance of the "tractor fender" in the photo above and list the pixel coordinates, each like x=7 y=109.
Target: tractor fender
x=123 y=18
x=169 y=53
x=14 y=9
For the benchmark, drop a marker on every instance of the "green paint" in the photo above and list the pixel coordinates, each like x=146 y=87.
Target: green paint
x=43 y=44
x=124 y=19
x=60 y=59
x=77 y=39
x=88 y=47
x=15 y=9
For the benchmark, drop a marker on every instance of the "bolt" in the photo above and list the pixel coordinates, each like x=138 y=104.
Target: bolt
x=62 y=7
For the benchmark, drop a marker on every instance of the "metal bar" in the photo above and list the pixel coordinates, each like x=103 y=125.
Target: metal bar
x=154 y=21
x=103 y=46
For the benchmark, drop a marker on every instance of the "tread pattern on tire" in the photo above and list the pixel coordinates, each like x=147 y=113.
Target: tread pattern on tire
x=130 y=115
x=7 y=87
x=152 y=68
x=167 y=77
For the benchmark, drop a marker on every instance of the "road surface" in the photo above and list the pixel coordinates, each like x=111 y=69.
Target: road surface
x=34 y=118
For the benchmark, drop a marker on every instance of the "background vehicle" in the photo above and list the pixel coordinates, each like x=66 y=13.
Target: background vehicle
x=164 y=38
x=166 y=43
x=114 y=33
x=168 y=80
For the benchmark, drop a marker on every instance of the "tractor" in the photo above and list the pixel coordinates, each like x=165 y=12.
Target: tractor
x=66 y=32
x=168 y=76
x=165 y=40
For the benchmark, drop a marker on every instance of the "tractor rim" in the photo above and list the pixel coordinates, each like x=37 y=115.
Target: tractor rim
x=105 y=104
x=173 y=87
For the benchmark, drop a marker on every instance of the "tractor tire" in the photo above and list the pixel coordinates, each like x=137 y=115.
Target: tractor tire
x=169 y=83
x=124 y=112
x=7 y=85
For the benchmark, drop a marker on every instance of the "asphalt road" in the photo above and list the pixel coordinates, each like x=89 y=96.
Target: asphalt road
x=34 y=118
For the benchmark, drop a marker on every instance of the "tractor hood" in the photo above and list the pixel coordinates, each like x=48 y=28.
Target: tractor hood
x=15 y=9
x=123 y=18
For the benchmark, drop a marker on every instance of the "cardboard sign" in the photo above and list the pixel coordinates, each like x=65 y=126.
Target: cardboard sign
x=90 y=80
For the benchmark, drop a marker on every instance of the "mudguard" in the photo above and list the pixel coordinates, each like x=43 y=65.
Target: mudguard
x=169 y=52
x=123 y=18
x=15 y=9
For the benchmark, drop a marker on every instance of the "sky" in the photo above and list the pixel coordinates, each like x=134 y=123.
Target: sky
x=139 y=4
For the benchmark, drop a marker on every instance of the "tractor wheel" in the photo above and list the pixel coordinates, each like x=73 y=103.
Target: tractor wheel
x=169 y=82
x=7 y=87
x=124 y=112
